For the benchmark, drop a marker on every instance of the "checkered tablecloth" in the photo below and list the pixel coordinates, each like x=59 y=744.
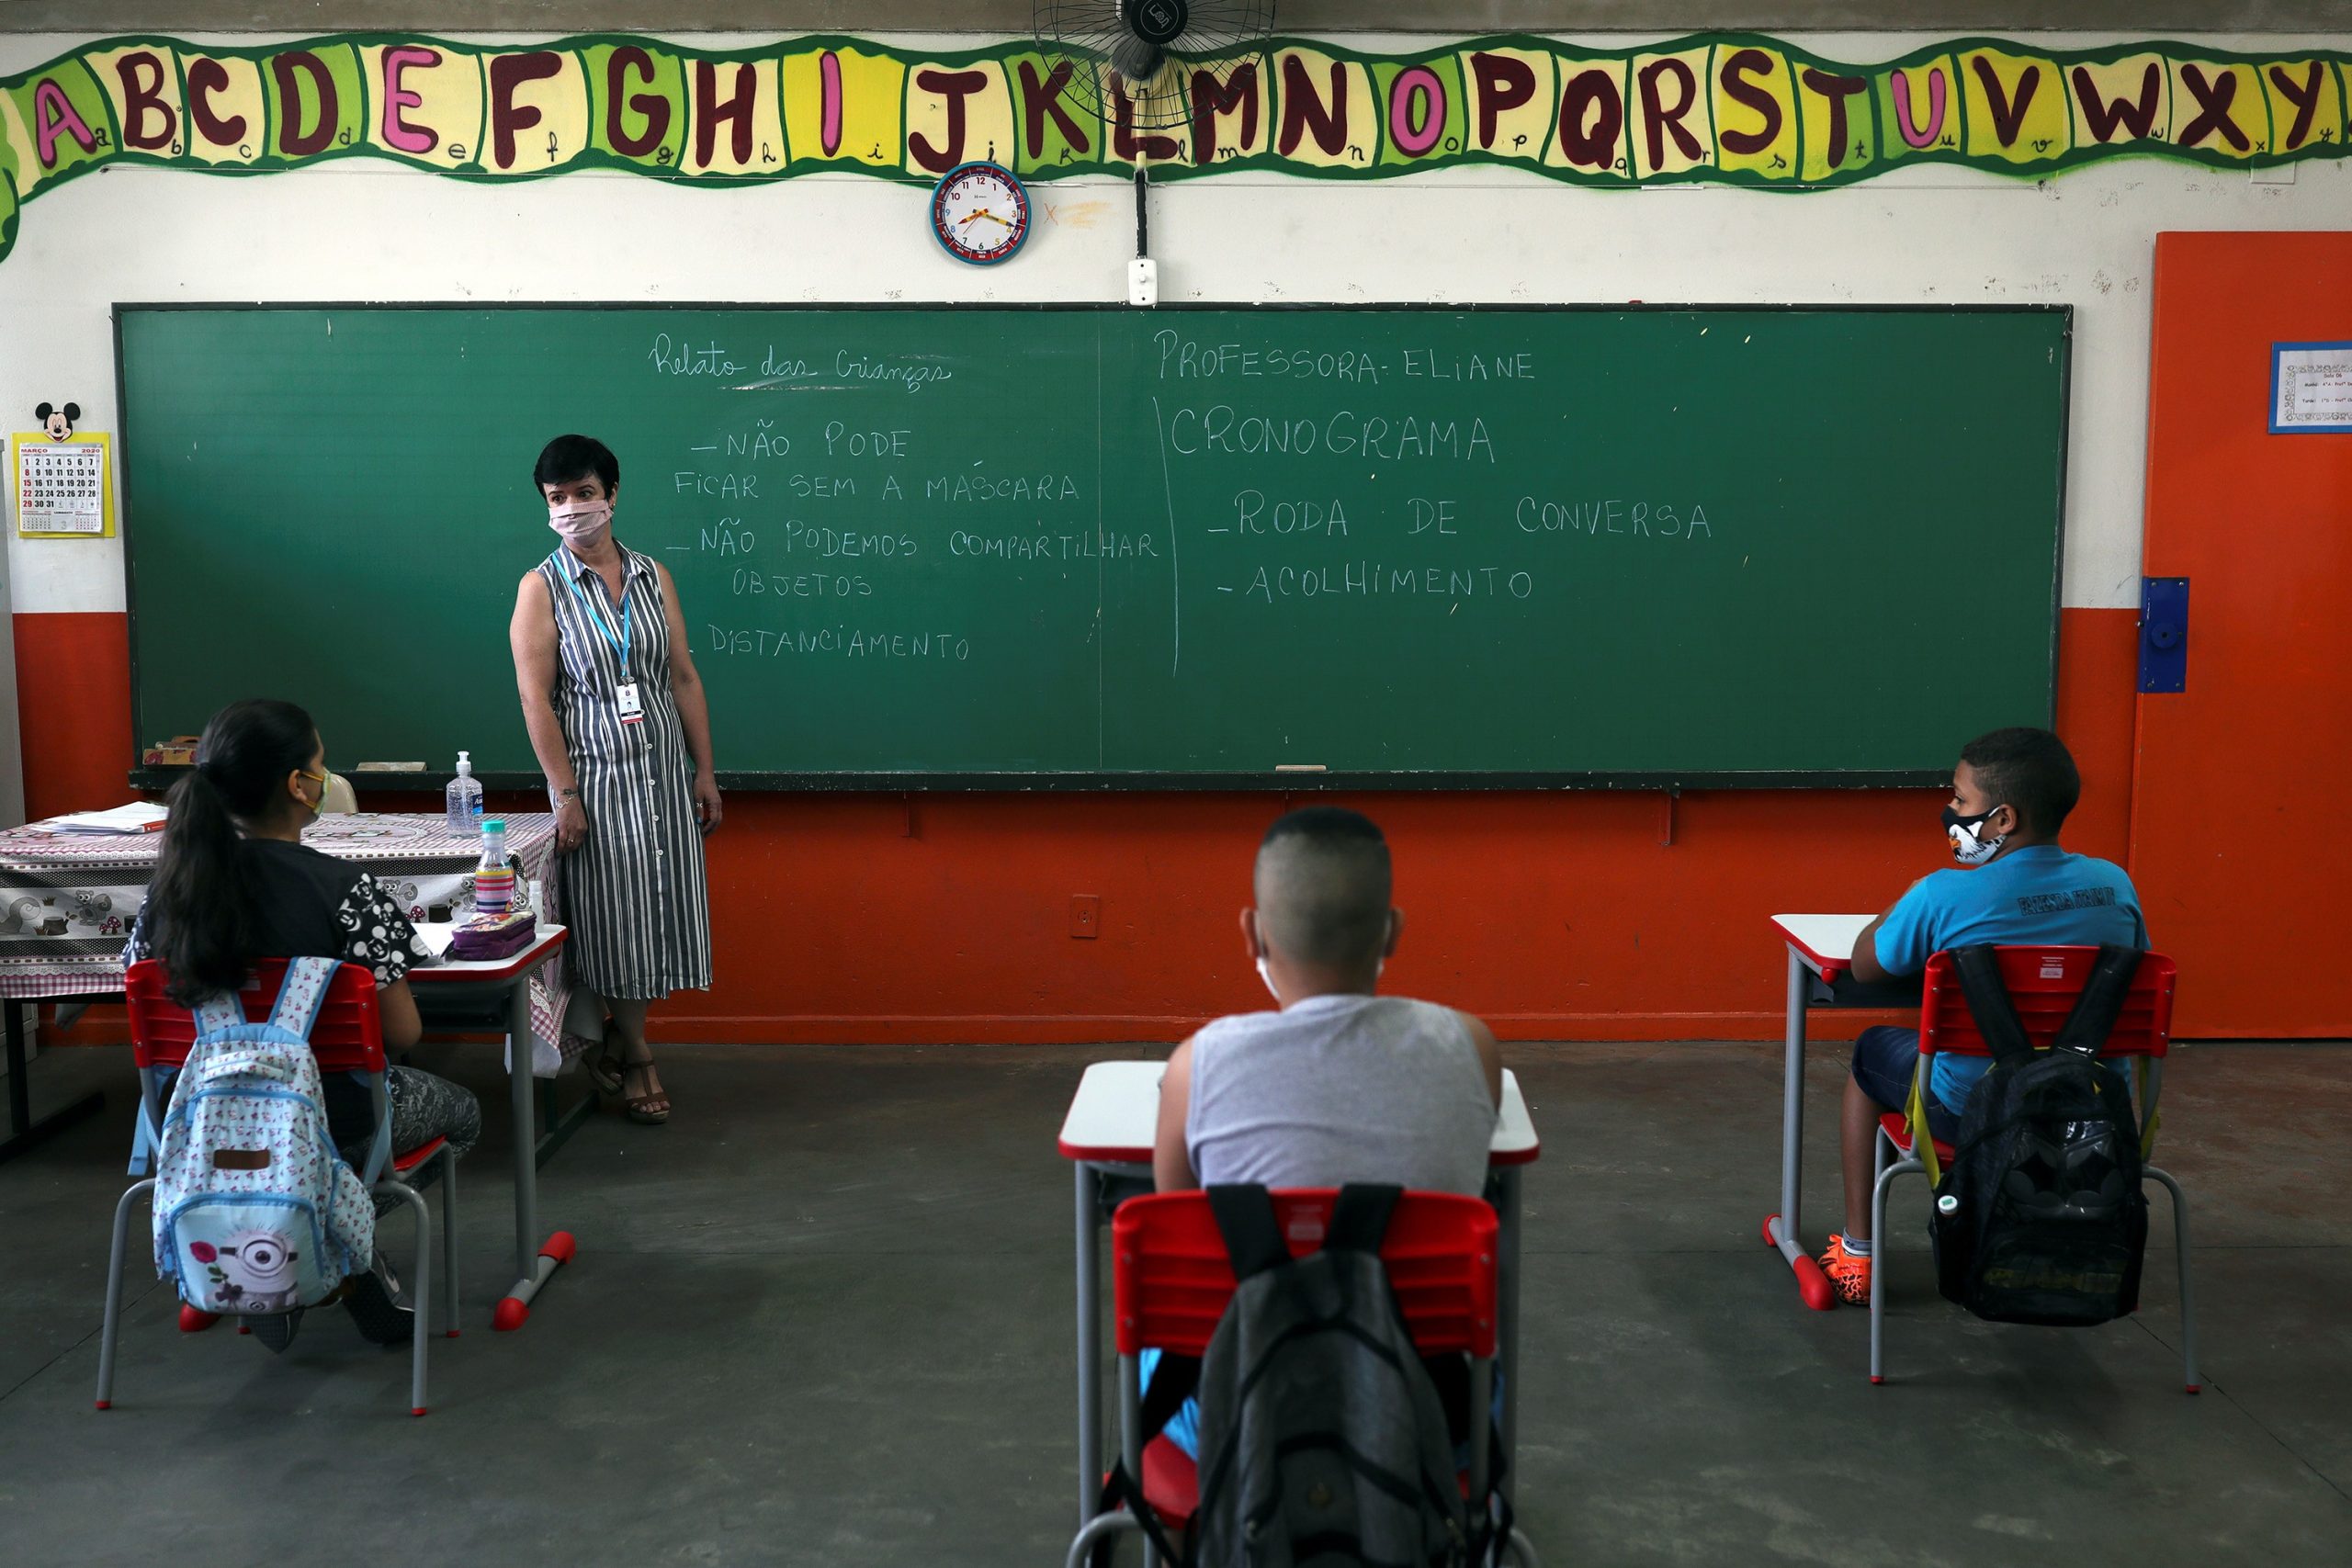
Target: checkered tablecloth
x=67 y=901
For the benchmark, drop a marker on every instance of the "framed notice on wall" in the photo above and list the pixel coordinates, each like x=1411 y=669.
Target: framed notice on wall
x=2311 y=388
x=65 y=488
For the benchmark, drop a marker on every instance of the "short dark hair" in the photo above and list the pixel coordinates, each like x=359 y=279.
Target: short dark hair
x=1323 y=885
x=2029 y=769
x=569 y=457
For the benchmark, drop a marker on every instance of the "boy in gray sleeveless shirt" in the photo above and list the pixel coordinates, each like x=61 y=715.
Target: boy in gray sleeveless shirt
x=1339 y=1085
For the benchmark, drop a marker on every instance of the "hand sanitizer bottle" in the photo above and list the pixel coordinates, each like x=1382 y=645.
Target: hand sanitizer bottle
x=464 y=798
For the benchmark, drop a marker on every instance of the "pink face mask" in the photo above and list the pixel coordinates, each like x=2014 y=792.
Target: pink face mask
x=581 y=521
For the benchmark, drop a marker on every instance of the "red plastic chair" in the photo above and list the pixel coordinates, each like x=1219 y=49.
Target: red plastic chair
x=347 y=1037
x=1171 y=1278
x=2044 y=983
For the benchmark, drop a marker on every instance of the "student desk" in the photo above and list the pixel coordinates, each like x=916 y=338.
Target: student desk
x=1107 y=1136
x=460 y=995
x=1821 y=955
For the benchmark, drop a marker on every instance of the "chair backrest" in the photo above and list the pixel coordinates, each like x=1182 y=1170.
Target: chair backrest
x=2044 y=983
x=348 y=1036
x=1171 y=1277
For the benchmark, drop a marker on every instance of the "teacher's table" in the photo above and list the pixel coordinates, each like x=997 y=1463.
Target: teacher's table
x=1821 y=960
x=1107 y=1137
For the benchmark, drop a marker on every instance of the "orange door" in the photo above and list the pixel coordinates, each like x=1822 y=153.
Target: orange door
x=2242 y=785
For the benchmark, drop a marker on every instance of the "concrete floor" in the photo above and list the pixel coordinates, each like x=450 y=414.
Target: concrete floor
x=824 y=1318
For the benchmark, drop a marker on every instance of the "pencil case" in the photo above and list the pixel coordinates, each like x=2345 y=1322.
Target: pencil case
x=483 y=937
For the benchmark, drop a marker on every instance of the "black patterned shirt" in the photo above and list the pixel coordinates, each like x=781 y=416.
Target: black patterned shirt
x=314 y=906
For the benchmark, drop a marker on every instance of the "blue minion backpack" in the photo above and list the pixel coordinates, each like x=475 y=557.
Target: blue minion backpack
x=256 y=1211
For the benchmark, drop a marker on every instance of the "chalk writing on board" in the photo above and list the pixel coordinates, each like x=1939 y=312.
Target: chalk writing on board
x=800 y=585
x=1183 y=358
x=842 y=641
x=1222 y=428
x=913 y=377
x=1102 y=544
x=1634 y=519
x=1439 y=365
x=980 y=485
x=841 y=441
x=727 y=539
x=728 y=487
x=766 y=441
x=1253 y=515
x=675 y=358
x=827 y=543
x=1362 y=579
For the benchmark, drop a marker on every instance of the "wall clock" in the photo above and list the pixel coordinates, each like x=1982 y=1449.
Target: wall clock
x=979 y=213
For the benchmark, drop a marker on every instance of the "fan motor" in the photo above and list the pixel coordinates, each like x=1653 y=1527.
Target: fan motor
x=1156 y=22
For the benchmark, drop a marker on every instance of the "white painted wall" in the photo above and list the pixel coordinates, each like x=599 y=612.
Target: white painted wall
x=362 y=231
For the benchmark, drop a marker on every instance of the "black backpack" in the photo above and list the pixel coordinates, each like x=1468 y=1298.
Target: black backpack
x=1323 y=1437
x=2040 y=1217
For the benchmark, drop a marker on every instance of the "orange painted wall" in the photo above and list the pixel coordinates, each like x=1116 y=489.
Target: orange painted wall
x=1555 y=916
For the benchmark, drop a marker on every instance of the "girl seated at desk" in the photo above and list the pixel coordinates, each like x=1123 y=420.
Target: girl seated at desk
x=236 y=885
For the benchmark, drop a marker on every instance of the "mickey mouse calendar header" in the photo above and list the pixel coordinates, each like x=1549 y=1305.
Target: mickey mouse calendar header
x=1723 y=107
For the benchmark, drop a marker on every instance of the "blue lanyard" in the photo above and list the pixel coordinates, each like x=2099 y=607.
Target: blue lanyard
x=596 y=613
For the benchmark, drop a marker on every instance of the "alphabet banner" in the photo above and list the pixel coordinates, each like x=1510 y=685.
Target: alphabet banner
x=1726 y=107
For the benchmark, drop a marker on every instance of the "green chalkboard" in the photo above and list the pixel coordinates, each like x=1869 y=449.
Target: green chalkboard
x=1082 y=545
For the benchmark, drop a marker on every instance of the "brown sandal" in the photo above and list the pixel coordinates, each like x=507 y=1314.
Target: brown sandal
x=651 y=1109
x=605 y=1070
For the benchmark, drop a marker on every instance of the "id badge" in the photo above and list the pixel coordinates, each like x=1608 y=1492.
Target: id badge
x=632 y=711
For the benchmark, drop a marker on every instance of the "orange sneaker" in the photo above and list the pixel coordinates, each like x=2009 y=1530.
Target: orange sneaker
x=1849 y=1276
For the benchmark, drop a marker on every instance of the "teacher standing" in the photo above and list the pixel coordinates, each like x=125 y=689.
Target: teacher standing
x=622 y=729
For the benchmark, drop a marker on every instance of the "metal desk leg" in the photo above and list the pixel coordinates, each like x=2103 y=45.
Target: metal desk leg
x=1089 y=1354
x=535 y=1262
x=1780 y=1229
x=1506 y=1283
x=24 y=1132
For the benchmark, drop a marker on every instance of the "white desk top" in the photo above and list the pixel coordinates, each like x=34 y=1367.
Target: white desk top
x=459 y=971
x=1823 y=943
x=1114 y=1117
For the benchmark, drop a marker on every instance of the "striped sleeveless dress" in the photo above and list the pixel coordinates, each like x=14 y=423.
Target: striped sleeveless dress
x=634 y=894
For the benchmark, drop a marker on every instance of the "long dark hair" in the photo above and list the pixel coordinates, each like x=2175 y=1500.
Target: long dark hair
x=201 y=919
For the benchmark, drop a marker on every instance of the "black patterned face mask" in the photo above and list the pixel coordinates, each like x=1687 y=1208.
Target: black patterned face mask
x=1968 y=846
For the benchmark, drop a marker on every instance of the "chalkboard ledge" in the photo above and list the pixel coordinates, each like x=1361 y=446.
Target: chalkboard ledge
x=159 y=779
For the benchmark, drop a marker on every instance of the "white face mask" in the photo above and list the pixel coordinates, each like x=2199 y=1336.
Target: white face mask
x=1377 y=969
x=581 y=521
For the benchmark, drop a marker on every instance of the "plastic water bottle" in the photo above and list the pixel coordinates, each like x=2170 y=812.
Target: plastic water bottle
x=493 y=878
x=464 y=798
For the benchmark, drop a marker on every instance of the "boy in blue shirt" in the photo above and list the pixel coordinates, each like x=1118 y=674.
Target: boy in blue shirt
x=2011 y=793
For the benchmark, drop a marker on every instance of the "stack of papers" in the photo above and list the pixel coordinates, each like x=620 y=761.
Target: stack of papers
x=140 y=816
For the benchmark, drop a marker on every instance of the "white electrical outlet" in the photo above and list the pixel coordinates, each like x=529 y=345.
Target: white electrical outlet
x=1142 y=281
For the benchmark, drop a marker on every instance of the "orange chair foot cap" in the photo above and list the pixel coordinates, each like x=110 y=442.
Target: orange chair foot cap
x=510 y=1314
x=108 y=1404
x=560 y=1247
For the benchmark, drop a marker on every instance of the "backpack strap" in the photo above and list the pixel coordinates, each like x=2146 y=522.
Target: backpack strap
x=2102 y=1003
x=1253 y=1237
x=218 y=1012
x=301 y=993
x=1360 y=1217
x=1987 y=996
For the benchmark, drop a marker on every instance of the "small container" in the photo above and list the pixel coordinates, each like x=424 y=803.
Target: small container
x=1946 y=1205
